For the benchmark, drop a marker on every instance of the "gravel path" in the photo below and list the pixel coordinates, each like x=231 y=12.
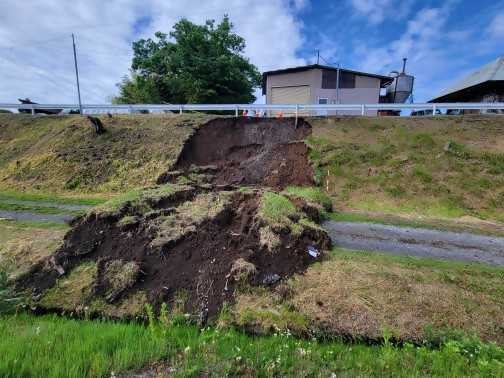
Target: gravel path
x=408 y=241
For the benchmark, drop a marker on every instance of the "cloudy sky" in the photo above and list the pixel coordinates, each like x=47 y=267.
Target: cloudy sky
x=443 y=40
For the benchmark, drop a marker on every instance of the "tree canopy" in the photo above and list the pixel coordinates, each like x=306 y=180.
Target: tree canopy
x=197 y=64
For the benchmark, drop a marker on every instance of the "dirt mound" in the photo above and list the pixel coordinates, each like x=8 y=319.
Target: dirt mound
x=239 y=151
x=174 y=242
x=195 y=238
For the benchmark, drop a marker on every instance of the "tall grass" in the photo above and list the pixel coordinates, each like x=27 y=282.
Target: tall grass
x=56 y=347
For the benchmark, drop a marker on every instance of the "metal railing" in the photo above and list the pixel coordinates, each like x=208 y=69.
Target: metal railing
x=293 y=109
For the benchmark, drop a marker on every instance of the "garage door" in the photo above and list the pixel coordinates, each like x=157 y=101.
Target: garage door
x=290 y=95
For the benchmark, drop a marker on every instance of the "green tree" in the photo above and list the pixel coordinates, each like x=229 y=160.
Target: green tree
x=199 y=64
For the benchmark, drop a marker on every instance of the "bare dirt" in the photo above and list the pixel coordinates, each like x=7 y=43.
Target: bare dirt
x=201 y=239
x=241 y=151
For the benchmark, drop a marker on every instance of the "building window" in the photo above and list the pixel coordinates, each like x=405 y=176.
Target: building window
x=323 y=101
x=346 y=80
x=329 y=79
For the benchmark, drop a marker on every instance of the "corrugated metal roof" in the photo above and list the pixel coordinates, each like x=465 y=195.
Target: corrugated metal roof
x=492 y=71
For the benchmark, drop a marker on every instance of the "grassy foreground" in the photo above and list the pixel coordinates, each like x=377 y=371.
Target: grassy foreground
x=56 y=347
x=359 y=294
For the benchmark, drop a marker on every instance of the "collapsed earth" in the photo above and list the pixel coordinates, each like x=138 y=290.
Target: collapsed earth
x=230 y=223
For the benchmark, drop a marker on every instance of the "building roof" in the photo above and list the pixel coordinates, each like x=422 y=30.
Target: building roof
x=493 y=71
x=384 y=80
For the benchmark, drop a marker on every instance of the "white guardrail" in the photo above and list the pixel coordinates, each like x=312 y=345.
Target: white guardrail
x=291 y=108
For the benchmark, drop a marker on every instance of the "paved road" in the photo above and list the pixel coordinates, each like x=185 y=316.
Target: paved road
x=45 y=204
x=26 y=216
x=407 y=241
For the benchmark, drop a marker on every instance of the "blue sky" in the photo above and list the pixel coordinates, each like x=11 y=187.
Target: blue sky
x=444 y=40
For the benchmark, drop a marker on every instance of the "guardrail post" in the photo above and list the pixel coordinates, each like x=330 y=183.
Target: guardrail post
x=33 y=110
x=434 y=109
x=236 y=111
x=297 y=112
x=363 y=110
x=180 y=109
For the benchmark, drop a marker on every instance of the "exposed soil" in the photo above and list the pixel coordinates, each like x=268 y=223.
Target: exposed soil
x=199 y=261
x=241 y=151
x=203 y=238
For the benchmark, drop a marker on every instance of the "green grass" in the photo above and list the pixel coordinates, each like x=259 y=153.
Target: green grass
x=138 y=196
x=14 y=195
x=64 y=155
x=56 y=347
x=312 y=194
x=35 y=224
x=431 y=223
x=37 y=209
x=276 y=208
x=443 y=168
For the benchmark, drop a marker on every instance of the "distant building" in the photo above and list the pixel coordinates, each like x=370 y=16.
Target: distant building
x=483 y=85
x=318 y=84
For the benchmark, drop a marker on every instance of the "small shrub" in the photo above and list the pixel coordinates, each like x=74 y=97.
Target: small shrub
x=151 y=318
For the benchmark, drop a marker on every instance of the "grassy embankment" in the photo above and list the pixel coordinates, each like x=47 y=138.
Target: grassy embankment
x=70 y=348
x=444 y=167
x=54 y=154
x=356 y=295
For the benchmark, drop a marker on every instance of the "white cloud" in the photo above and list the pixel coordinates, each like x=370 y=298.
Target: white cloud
x=36 y=58
x=430 y=46
x=377 y=11
x=496 y=27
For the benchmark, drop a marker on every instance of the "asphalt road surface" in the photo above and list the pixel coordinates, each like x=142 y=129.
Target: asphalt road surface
x=406 y=241
x=27 y=216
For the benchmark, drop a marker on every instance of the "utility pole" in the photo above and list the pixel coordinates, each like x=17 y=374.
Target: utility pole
x=318 y=56
x=77 y=74
x=337 y=84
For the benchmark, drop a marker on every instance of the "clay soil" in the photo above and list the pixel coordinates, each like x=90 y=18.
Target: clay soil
x=202 y=240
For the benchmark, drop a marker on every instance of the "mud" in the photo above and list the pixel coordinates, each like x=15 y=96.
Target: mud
x=202 y=238
x=241 y=151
